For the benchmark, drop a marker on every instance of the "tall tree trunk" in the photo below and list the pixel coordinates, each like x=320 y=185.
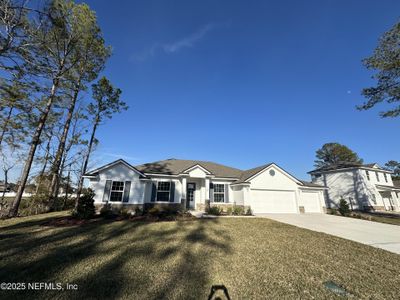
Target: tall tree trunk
x=66 y=189
x=46 y=159
x=6 y=121
x=35 y=142
x=55 y=170
x=86 y=160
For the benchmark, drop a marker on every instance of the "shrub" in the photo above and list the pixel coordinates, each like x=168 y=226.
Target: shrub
x=214 y=210
x=154 y=211
x=238 y=210
x=344 y=209
x=229 y=210
x=106 y=211
x=85 y=208
x=332 y=211
x=138 y=211
x=249 y=212
x=124 y=212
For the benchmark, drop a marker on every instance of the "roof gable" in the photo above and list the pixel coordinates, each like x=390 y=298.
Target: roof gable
x=110 y=165
x=179 y=166
x=192 y=168
x=251 y=173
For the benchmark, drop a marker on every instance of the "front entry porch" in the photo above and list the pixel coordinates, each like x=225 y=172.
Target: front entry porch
x=195 y=191
x=389 y=198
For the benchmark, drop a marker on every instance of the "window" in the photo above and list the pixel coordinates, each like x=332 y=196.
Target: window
x=219 y=193
x=385 y=175
x=367 y=172
x=377 y=176
x=163 y=191
x=117 y=191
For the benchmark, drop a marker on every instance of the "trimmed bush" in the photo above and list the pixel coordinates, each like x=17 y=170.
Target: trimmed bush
x=249 y=212
x=154 y=211
x=229 y=210
x=106 y=211
x=214 y=210
x=85 y=208
x=138 y=211
x=238 y=210
x=344 y=209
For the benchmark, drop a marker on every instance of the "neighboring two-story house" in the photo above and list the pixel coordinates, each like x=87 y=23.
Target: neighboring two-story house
x=364 y=187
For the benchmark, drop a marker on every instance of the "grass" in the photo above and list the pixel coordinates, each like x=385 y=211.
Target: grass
x=254 y=258
x=381 y=217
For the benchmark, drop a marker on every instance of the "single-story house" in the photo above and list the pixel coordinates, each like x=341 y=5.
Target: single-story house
x=192 y=183
x=363 y=186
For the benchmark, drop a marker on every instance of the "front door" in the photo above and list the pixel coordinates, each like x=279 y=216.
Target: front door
x=190 y=190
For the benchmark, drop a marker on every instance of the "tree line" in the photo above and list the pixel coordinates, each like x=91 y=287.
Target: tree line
x=52 y=54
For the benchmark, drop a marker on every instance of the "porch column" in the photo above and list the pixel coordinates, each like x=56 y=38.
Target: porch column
x=184 y=189
x=396 y=201
x=207 y=189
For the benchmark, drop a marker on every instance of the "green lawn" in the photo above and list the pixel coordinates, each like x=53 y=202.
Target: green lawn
x=253 y=258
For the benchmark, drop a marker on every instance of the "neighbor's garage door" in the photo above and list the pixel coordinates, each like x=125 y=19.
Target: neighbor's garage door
x=264 y=201
x=310 y=201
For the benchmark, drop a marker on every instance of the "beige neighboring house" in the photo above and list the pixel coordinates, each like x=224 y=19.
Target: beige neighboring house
x=176 y=182
x=364 y=187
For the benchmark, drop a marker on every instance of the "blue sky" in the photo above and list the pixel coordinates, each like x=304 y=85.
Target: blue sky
x=244 y=83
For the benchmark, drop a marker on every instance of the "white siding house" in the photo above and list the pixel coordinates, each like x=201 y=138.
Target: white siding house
x=173 y=182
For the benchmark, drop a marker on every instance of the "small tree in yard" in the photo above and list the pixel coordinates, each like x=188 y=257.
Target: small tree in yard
x=85 y=208
x=343 y=207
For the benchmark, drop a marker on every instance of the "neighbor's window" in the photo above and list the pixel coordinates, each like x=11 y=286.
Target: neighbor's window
x=385 y=175
x=163 y=191
x=219 y=193
x=377 y=176
x=367 y=172
x=117 y=190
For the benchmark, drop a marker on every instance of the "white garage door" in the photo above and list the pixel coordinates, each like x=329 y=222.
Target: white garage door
x=263 y=201
x=310 y=201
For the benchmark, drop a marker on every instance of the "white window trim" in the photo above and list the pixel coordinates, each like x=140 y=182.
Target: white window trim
x=386 y=178
x=223 y=193
x=111 y=190
x=367 y=173
x=169 y=192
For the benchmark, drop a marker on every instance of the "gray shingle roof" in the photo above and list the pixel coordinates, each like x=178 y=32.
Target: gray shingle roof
x=310 y=184
x=343 y=165
x=177 y=166
x=249 y=173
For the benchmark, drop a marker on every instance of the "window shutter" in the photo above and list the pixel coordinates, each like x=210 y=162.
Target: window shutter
x=211 y=193
x=126 y=191
x=226 y=197
x=153 y=191
x=107 y=188
x=172 y=193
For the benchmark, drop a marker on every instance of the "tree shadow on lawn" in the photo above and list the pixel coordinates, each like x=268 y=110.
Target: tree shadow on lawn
x=113 y=259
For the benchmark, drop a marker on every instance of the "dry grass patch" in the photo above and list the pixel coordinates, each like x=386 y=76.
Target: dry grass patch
x=254 y=258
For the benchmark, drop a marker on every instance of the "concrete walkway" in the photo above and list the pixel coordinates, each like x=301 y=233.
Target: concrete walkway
x=379 y=235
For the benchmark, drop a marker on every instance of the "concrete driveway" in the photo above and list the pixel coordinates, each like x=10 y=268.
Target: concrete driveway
x=384 y=236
